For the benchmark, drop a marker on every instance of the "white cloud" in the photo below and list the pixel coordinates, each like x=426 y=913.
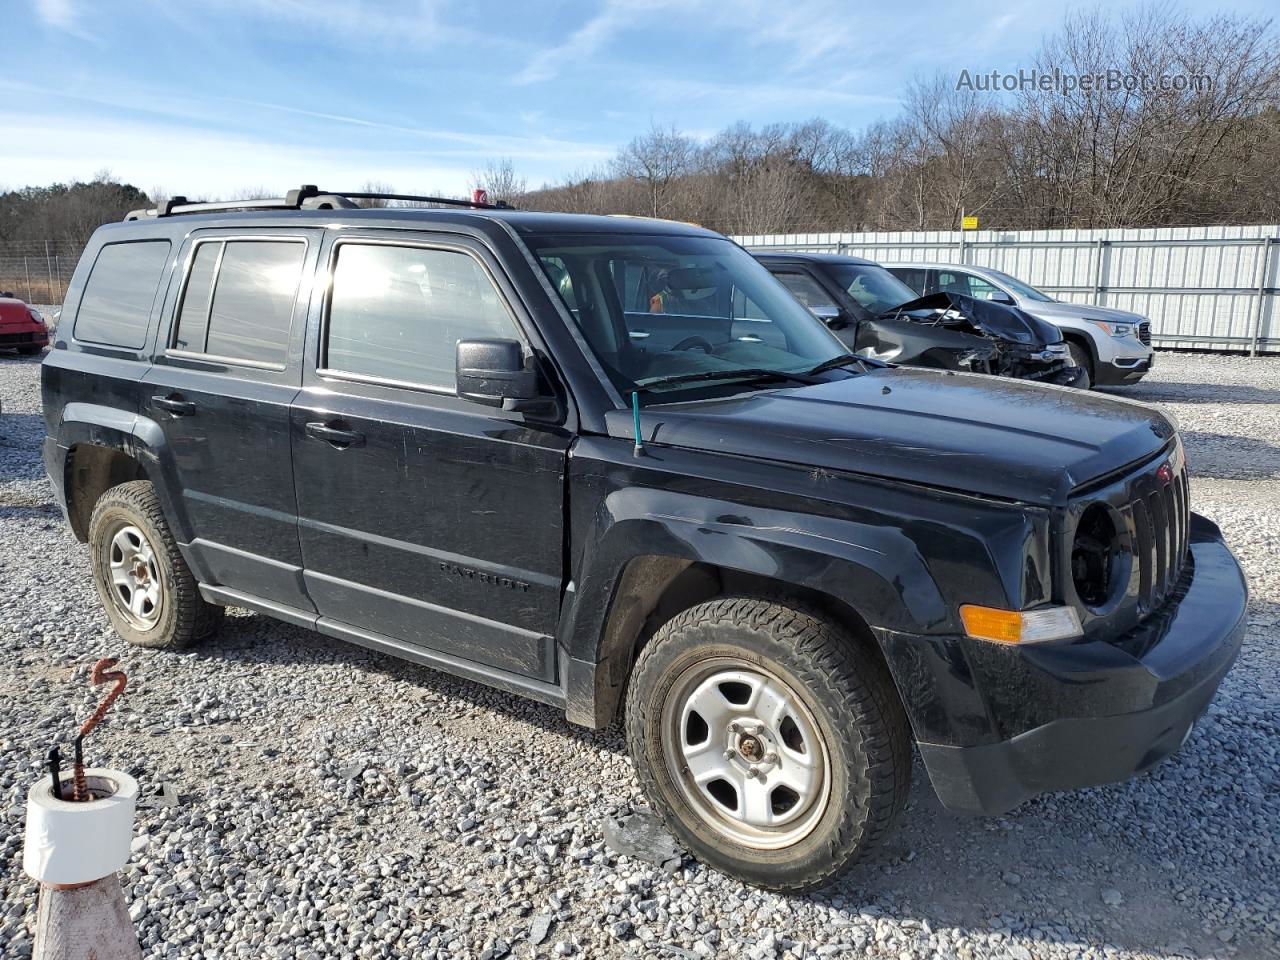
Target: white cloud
x=196 y=161
x=63 y=15
x=423 y=23
x=616 y=16
x=56 y=13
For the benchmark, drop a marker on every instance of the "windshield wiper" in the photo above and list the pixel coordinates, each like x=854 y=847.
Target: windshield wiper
x=746 y=373
x=843 y=361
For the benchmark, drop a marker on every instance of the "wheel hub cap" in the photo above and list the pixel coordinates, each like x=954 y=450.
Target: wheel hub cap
x=746 y=752
x=134 y=577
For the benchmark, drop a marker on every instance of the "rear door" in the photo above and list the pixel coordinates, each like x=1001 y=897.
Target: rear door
x=423 y=517
x=225 y=372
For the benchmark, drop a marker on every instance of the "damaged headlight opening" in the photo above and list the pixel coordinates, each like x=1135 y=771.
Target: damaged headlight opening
x=1095 y=557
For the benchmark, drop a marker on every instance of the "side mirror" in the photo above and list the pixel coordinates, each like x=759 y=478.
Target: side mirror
x=829 y=314
x=999 y=296
x=494 y=373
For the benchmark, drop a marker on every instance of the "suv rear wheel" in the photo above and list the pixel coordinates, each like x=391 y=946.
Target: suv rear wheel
x=768 y=740
x=149 y=593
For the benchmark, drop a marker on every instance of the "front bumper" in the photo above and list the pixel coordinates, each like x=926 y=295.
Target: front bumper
x=1060 y=717
x=16 y=335
x=1123 y=370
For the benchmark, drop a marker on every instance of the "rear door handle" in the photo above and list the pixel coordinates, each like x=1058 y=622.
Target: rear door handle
x=335 y=435
x=175 y=405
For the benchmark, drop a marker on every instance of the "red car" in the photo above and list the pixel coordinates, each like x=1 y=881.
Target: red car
x=21 y=327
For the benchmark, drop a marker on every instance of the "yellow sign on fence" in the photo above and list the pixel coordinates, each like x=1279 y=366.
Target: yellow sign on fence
x=969 y=223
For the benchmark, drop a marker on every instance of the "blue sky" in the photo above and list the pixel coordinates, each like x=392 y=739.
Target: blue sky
x=225 y=95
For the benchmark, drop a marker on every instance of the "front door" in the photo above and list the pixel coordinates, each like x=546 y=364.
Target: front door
x=423 y=517
x=226 y=370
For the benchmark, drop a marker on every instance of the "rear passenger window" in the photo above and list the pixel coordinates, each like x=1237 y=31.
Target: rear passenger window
x=913 y=278
x=397 y=313
x=116 y=303
x=238 y=301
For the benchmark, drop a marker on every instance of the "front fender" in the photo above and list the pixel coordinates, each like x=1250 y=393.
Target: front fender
x=901 y=556
x=875 y=569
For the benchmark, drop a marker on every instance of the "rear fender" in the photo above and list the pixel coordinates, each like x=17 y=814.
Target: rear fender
x=140 y=438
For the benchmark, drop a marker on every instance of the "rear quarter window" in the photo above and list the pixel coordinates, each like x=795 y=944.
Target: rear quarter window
x=116 y=304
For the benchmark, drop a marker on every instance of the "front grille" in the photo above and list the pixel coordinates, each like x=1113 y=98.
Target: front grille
x=16 y=337
x=1144 y=332
x=1161 y=517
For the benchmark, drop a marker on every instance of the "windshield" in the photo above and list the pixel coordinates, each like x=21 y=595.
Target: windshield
x=874 y=287
x=1022 y=289
x=663 y=308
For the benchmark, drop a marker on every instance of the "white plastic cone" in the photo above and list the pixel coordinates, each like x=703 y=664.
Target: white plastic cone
x=74 y=850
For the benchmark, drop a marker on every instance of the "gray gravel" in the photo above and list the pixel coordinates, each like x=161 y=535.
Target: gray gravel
x=324 y=801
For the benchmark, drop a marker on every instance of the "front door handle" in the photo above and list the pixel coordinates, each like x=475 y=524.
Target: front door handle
x=175 y=405
x=335 y=435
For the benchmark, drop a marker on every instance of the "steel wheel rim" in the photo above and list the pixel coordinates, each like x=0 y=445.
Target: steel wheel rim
x=746 y=753
x=134 y=582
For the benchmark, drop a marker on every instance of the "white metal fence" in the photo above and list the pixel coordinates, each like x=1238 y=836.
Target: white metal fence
x=1208 y=288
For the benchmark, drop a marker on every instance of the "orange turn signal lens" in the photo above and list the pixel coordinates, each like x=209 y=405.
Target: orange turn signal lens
x=987 y=623
x=1029 y=626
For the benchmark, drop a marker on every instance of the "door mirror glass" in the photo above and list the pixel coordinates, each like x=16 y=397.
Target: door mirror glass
x=826 y=312
x=494 y=372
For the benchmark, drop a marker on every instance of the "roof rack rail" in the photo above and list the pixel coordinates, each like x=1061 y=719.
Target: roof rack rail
x=307 y=197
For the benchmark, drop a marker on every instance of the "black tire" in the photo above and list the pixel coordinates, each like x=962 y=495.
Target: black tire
x=183 y=616
x=1080 y=357
x=851 y=702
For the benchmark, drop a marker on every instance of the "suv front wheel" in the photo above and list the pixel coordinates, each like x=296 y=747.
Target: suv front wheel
x=149 y=593
x=769 y=741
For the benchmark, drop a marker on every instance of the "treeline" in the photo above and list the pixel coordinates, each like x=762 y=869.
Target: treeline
x=66 y=212
x=1198 y=146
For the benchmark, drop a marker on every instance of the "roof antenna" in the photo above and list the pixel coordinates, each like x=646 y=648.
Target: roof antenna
x=635 y=420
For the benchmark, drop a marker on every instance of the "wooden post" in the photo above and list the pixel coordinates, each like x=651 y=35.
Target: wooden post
x=48 y=265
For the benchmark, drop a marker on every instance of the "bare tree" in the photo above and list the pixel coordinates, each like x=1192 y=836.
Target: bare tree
x=374 y=186
x=500 y=181
x=655 y=160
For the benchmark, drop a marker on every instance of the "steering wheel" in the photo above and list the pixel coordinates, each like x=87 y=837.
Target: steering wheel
x=690 y=343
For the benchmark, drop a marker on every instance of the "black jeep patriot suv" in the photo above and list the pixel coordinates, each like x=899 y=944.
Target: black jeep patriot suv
x=611 y=464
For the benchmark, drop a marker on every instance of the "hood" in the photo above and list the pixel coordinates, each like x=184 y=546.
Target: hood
x=993 y=319
x=987 y=435
x=1077 y=311
x=14 y=311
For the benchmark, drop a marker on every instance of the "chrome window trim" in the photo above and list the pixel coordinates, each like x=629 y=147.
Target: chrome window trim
x=225 y=361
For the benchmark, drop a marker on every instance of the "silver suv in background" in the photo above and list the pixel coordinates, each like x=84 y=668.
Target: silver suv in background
x=1113 y=346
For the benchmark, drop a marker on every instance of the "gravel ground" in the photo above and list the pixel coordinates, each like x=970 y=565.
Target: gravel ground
x=332 y=802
